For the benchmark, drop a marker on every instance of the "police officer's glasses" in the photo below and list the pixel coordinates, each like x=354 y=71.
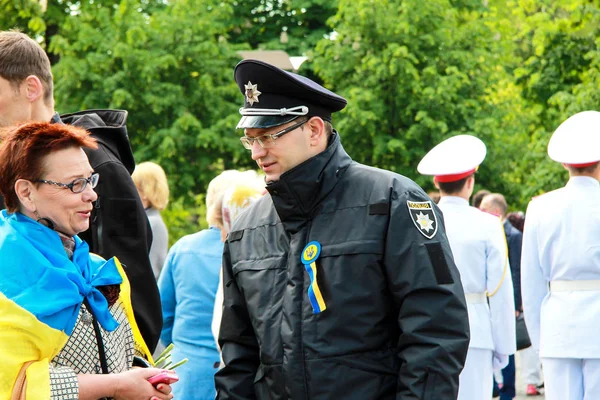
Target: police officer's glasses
x=268 y=141
x=78 y=185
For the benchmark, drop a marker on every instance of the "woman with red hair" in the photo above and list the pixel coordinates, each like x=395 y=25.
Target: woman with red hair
x=66 y=323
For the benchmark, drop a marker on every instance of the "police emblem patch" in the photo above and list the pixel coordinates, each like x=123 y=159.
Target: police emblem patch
x=422 y=215
x=252 y=93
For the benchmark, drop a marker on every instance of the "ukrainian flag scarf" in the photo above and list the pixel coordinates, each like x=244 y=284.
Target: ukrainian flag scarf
x=41 y=292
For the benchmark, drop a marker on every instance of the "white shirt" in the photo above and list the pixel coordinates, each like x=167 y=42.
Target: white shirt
x=561 y=241
x=479 y=247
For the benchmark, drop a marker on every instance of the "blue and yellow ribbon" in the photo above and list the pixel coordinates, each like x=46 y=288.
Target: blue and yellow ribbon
x=309 y=257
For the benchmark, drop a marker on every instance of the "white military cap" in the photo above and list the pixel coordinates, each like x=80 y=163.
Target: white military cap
x=577 y=140
x=453 y=159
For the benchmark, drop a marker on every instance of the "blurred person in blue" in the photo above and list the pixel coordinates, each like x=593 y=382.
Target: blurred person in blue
x=235 y=200
x=495 y=203
x=188 y=286
x=67 y=329
x=332 y=290
x=561 y=265
x=151 y=183
x=479 y=247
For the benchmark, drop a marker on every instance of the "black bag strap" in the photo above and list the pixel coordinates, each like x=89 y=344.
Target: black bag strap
x=100 y=343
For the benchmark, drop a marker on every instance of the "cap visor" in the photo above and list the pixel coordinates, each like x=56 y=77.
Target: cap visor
x=264 y=121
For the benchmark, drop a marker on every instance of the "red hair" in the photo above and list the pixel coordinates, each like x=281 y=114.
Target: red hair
x=24 y=148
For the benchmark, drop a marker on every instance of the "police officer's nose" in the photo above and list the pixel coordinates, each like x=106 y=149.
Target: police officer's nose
x=258 y=151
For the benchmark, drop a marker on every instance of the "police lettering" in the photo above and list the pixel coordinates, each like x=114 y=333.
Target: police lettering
x=419 y=205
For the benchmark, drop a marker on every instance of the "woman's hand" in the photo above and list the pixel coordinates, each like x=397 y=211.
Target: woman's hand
x=133 y=385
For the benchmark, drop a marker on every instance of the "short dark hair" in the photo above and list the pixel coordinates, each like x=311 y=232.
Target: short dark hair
x=516 y=219
x=23 y=149
x=453 y=187
x=20 y=57
x=582 y=170
x=477 y=197
x=328 y=128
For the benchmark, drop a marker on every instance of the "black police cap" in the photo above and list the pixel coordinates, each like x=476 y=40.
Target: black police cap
x=274 y=96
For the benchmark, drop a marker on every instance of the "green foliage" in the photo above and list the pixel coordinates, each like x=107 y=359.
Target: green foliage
x=553 y=53
x=295 y=26
x=24 y=15
x=183 y=219
x=171 y=70
x=414 y=73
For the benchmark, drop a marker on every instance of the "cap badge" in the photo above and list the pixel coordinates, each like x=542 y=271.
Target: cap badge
x=423 y=216
x=252 y=93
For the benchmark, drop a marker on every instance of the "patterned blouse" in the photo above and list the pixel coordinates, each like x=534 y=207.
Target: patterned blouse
x=80 y=354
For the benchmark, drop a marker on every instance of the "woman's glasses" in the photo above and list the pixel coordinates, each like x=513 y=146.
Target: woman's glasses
x=78 y=185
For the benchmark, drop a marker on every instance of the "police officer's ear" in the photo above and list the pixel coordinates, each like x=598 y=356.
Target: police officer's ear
x=317 y=131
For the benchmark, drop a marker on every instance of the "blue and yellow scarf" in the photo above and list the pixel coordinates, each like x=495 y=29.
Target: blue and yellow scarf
x=41 y=292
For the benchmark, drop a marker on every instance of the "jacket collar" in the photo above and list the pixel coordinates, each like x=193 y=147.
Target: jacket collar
x=453 y=200
x=109 y=128
x=582 y=181
x=300 y=190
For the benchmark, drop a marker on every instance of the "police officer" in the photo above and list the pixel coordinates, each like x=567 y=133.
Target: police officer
x=339 y=283
x=479 y=247
x=560 y=265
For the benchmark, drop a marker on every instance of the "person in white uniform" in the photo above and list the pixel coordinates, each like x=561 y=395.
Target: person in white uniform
x=560 y=266
x=479 y=247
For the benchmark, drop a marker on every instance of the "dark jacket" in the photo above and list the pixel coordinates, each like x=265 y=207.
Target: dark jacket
x=514 y=240
x=396 y=324
x=119 y=226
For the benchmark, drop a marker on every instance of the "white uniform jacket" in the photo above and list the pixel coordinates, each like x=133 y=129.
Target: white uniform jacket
x=561 y=241
x=479 y=247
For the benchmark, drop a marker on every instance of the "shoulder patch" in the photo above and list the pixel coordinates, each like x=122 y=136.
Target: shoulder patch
x=423 y=217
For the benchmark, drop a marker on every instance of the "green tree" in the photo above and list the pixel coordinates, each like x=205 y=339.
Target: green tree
x=24 y=15
x=554 y=65
x=414 y=73
x=172 y=70
x=293 y=26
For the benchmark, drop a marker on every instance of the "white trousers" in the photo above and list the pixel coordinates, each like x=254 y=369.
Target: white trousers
x=476 y=378
x=531 y=366
x=571 y=378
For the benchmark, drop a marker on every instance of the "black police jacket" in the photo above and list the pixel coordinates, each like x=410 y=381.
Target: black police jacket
x=395 y=322
x=119 y=225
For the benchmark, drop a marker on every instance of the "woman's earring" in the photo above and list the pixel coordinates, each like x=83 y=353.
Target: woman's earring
x=44 y=221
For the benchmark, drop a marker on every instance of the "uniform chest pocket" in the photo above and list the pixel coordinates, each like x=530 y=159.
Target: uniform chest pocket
x=257 y=265
x=353 y=247
x=262 y=282
x=350 y=268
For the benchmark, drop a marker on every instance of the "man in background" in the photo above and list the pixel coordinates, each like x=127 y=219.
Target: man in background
x=118 y=226
x=478 y=196
x=479 y=249
x=561 y=265
x=495 y=204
